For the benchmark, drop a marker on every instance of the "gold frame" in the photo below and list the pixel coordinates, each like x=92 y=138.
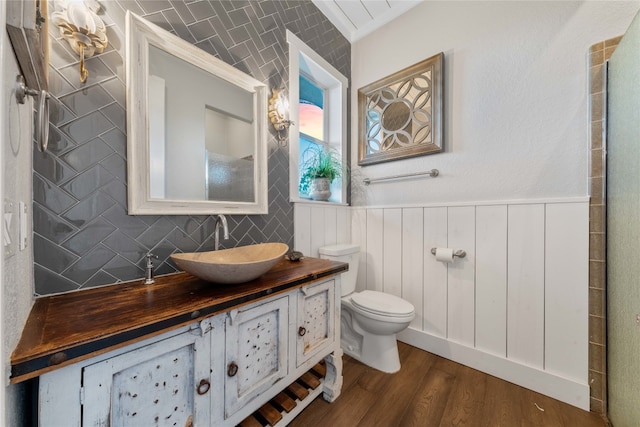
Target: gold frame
x=413 y=98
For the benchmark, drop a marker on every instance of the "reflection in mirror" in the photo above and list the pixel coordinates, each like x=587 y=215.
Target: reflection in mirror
x=396 y=116
x=204 y=149
x=229 y=166
x=202 y=129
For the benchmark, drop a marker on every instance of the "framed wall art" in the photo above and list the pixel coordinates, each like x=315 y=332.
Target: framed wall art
x=401 y=115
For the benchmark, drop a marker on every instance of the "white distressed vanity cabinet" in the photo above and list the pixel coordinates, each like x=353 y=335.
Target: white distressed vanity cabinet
x=256 y=351
x=318 y=314
x=164 y=383
x=212 y=371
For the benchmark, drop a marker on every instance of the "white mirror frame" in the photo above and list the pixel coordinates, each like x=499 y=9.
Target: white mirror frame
x=140 y=34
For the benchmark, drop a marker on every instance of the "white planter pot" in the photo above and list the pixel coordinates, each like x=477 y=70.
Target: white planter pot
x=320 y=189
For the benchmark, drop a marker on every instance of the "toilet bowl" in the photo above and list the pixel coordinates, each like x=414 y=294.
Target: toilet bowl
x=369 y=320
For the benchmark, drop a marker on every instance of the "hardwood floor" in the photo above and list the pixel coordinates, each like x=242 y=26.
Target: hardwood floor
x=432 y=391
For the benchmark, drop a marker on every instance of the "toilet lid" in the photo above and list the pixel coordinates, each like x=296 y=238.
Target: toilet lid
x=381 y=303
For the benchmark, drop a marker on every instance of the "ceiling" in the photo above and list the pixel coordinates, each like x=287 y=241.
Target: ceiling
x=357 y=18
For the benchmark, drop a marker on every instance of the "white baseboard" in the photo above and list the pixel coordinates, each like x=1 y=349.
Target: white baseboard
x=563 y=389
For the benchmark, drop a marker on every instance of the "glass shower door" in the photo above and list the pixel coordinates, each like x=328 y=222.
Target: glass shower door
x=623 y=230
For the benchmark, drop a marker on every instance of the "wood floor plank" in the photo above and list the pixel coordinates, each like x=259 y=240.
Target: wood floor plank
x=315 y=414
x=466 y=400
x=447 y=365
x=430 y=400
x=572 y=416
x=541 y=410
x=536 y=408
x=352 y=370
x=499 y=399
x=393 y=396
x=372 y=379
x=436 y=392
x=354 y=404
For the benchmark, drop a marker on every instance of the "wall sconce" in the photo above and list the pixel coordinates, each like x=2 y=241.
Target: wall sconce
x=80 y=25
x=278 y=108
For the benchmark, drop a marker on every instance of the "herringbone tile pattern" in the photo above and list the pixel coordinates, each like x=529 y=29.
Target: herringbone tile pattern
x=83 y=236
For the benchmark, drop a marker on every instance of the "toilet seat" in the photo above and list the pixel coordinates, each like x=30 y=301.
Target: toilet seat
x=382 y=304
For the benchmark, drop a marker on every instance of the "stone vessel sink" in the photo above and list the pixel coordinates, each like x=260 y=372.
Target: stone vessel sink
x=229 y=266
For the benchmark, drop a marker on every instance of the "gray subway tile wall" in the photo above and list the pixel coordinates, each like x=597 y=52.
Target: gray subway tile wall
x=83 y=236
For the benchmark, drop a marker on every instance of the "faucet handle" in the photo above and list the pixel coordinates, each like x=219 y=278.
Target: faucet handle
x=149 y=256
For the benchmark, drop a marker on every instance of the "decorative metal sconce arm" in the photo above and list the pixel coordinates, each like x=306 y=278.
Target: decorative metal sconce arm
x=82 y=28
x=84 y=73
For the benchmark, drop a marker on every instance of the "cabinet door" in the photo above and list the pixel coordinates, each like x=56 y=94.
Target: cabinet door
x=256 y=351
x=316 y=325
x=163 y=384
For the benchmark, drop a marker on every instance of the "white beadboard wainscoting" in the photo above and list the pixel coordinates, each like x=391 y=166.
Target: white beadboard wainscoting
x=515 y=307
x=320 y=224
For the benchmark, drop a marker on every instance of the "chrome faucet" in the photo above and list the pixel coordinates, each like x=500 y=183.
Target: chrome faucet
x=221 y=219
x=148 y=272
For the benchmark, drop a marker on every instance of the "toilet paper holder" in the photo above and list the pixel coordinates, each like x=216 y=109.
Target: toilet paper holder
x=459 y=253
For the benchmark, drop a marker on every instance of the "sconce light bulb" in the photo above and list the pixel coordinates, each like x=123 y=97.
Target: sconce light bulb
x=283 y=105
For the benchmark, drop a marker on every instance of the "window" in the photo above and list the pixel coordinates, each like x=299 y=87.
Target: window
x=318 y=108
x=310 y=108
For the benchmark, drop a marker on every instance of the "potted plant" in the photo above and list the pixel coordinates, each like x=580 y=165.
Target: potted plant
x=321 y=166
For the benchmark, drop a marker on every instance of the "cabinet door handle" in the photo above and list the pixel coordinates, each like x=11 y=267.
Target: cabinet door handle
x=302 y=330
x=203 y=387
x=232 y=369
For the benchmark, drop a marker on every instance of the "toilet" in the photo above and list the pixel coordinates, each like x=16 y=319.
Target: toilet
x=369 y=320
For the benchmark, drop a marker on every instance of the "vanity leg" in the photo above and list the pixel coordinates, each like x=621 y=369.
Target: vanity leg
x=333 y=377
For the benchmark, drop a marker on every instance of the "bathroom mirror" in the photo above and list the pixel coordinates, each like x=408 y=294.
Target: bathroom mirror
x=196 y=129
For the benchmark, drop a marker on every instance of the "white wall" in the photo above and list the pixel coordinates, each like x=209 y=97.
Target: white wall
x=15 y=185
x=515 y=97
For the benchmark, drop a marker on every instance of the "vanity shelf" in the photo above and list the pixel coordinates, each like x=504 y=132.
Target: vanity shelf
x=285 y=405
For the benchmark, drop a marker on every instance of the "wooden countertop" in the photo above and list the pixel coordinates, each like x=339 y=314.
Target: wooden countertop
x=64 y=329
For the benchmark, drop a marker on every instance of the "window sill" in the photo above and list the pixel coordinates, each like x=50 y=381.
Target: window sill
x=316 y=202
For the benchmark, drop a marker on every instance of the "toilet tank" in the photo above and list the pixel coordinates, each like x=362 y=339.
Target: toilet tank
x=344 y=253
